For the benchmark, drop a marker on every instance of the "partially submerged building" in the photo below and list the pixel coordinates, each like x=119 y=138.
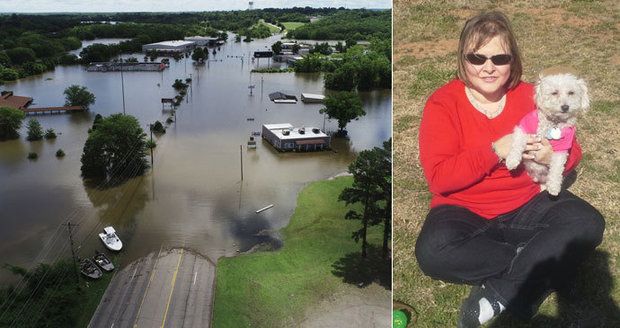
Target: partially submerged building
x=285 y=137
x=282 y=98
x=202 y=41
x=7 y=99
x=170 y=46
x=126 y=67
x=309 y=98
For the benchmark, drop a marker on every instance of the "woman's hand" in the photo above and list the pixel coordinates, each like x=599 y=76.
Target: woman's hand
x=538 y=149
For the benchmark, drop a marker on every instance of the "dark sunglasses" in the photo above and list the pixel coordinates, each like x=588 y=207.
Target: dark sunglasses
x=476 y=59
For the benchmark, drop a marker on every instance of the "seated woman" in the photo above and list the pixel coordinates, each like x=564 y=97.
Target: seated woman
x=490 y=227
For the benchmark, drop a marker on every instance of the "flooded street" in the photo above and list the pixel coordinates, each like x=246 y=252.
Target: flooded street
x=194 y=196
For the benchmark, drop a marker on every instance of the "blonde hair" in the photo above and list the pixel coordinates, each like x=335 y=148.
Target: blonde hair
x=479 y=30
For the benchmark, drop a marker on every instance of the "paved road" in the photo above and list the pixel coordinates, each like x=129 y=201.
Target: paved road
x=170 y=289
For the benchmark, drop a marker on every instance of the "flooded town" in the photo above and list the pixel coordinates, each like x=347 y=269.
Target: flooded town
x=224 y=178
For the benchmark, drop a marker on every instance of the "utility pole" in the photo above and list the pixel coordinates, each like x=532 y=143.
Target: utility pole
x=151 y=128
x=77 y=275
x=122 y=84
x=241 y=156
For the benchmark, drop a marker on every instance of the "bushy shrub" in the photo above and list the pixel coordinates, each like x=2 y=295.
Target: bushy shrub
x=35 y=131
x=33 y=155
x=158 y=127
x=60 y=153
x=8 y=74
x=50 y=134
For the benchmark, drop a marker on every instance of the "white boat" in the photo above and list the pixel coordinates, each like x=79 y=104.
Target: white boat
x=110 y=239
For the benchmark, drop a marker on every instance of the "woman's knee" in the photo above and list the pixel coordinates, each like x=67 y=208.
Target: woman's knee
x=587 y=222
x=432 y=248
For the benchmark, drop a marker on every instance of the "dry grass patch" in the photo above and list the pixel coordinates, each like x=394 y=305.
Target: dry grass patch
x=581 y=34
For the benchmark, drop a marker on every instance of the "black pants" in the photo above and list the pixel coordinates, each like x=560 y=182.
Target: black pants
x=522 y=256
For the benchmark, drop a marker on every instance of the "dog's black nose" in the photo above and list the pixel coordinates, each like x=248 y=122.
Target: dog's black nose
x=564 y=108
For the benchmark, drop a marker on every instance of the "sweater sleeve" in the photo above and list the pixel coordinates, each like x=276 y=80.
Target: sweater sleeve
x=447 y=167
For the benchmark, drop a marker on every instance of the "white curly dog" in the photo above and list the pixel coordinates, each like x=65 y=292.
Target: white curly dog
x=560 y=98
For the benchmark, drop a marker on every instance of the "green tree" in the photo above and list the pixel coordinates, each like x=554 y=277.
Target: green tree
x=308 y=64
x=76 y=95
x=35 y=131
x=50 y=134
x=277 y=47
x=385 y=185
x=179 y=85
x=343 y=78
x=200 y=55
x=21 y=55
x=10 y=122
x=322 y=48
x=296 y=48
x=343 y=106
x=8 y=74
x=115 y=150
x=4 y=59
x=369 y=177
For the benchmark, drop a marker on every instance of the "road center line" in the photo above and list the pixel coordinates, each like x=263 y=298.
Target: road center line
x=135 y=323
x=172 y=283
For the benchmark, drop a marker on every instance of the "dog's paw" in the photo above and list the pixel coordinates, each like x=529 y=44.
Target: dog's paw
x=512 y=162
x=553 y=190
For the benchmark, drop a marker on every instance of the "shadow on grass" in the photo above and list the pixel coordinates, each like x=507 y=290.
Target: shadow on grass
x=588 y=303
x=356 y=270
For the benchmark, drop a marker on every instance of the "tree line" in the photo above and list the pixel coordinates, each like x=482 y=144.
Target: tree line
x=357 y=24
x=33 y=44
x=357 y=68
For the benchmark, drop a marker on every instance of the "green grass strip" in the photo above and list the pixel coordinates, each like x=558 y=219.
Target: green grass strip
x=273 y=289
x=291 y=26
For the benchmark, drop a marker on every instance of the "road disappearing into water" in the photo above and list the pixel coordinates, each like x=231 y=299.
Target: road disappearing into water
x=172 y=288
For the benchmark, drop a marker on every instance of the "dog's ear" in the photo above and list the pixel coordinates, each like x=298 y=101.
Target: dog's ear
x=585 y=98
x=538 y=91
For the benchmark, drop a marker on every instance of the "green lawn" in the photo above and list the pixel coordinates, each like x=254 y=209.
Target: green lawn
x=581 y=34
x=291 y=26
x=272 y=28
x=273 y=289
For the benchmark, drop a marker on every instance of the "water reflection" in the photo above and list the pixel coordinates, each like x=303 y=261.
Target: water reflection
x=194 y=196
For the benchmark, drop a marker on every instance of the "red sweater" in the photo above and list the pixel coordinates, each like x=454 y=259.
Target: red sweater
x=456 y=155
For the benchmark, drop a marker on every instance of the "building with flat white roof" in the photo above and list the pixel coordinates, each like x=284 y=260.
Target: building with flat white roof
x=170 y=46
x=286 y=137
x=201 y=40
x=312 y=98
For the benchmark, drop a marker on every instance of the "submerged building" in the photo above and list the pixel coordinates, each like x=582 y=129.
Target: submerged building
x=170 y=46
x=7 y=99
x=285 y=137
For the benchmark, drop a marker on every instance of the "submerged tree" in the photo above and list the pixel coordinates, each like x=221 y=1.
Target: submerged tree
x=35 y=131
x=344 y=107
x=10 y=122
x=200 y=55
x=277 y=47
x=76 y=95
x=371 y=179
x=115 y=150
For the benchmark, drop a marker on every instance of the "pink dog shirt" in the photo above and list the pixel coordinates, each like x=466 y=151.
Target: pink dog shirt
x=529 y=124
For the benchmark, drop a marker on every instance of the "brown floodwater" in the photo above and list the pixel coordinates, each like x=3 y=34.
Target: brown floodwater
x=194 y=196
